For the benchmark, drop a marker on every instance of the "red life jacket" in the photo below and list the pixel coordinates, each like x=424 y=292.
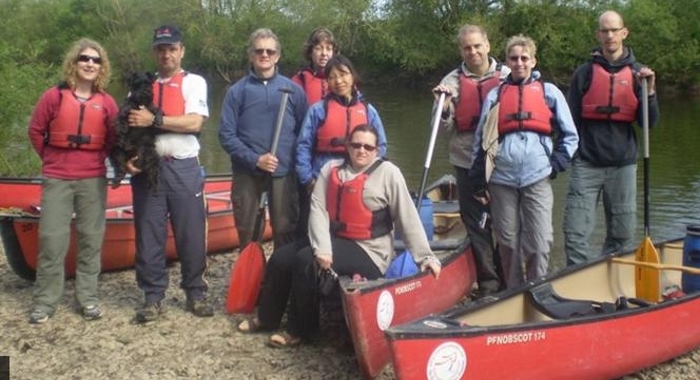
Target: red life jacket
x=349 y=216
x=315 y=87
x=610 y=96
x=467 y=109
x=340 y=120
x=167 y=96
x=523 y=107
x=78 y=125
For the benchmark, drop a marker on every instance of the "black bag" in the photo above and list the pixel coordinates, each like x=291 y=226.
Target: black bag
x=326 y=282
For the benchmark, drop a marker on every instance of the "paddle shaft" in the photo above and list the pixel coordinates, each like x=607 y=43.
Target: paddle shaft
x=273 y=150
x=645 y=132
x=657 y=266
x=431 y=147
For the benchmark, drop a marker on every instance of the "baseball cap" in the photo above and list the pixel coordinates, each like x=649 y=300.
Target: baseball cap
x=166 y=34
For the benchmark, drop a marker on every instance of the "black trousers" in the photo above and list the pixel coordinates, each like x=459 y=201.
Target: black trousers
x=291 y=279
x=487 y=272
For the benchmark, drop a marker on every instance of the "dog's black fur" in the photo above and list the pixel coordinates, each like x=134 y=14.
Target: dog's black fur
x=136 y=141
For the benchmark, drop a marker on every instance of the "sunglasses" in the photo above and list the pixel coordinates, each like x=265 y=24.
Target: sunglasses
x=88 y=58
x=269 y=52
x=515 y=58
x=369 y=148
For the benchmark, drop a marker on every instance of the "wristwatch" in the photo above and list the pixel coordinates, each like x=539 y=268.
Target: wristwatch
x=158 y=119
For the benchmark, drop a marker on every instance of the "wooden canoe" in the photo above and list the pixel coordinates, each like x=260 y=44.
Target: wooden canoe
x=19 y=225
x=372 y=306
x=578 y=323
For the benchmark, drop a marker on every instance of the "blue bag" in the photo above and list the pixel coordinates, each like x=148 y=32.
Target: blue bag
x=402 y=266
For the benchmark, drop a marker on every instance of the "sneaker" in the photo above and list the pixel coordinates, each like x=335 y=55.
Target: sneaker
x=92 y=312
x=199 y=308
x=149 y=312
x=38 y=316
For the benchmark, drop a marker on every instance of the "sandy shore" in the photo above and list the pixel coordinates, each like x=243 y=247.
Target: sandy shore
x=179 y=345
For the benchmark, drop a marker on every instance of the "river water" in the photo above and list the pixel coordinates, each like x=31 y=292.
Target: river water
x=674 y=159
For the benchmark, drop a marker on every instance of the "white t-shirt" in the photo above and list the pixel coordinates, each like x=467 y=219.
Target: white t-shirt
x=180 y=145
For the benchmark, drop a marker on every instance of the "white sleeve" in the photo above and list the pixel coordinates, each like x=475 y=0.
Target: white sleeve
x=194 y=90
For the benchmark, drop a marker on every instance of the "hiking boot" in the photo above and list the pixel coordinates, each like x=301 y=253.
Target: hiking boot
x=92 y=312
x=38 y=316
x=199 y=308
x=149 y=312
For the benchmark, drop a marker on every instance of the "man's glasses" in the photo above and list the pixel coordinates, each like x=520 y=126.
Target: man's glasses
x=88 y=58
x=369 y=148
x=611 y=30
x=269 y=52
x=515 y=58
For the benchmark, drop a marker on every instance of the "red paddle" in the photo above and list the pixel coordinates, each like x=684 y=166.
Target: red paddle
x=247 y=272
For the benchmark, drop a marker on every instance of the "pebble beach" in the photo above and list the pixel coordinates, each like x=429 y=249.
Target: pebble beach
x=179 y=345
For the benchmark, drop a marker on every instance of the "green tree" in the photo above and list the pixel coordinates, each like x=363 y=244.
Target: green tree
x=25 y=75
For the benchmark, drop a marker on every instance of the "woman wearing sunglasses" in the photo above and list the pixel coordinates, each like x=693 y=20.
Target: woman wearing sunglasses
x=328 y=123
x=355 y=205
x=71 y=131
x=537 y=138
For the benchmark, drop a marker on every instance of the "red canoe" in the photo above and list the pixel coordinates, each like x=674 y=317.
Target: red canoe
x=550 y=329
x=19 y=225
x=372 y=306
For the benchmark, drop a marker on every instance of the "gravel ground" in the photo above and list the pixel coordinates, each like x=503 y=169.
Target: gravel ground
x=179 y=345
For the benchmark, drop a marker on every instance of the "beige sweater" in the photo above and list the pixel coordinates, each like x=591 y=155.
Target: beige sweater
x=385 y=187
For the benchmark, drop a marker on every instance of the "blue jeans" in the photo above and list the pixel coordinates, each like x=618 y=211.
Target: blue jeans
x=618 y=188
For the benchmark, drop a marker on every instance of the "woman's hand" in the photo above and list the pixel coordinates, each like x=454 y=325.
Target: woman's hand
x=324 y=261
x=434 y=267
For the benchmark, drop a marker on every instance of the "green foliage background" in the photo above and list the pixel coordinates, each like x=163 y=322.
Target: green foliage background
x=396 y=42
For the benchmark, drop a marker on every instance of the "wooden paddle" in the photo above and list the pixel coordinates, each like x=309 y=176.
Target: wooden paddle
x=681 y=268
x=247 y=272
x=646 y=278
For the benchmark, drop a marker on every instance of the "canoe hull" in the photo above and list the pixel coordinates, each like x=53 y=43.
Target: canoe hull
x=371 y=307
x=20 y=233
x=602 y=346
x=597 y=350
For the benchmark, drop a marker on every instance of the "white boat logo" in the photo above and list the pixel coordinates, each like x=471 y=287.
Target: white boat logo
x=447 y=362
x=385 y=310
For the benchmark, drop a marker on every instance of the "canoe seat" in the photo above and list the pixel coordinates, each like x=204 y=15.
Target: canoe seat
x=548 y=302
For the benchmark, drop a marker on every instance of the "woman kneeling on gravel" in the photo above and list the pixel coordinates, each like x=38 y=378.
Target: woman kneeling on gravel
x=354 y=206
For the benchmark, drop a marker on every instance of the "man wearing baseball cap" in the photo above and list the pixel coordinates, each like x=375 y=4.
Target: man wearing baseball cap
x=167 y=35
x=181 y=102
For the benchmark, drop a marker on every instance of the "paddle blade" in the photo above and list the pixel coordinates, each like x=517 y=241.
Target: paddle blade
x=246 y=279
x=647 y=279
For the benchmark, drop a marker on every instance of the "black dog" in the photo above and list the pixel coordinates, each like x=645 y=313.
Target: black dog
x=136 y=141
